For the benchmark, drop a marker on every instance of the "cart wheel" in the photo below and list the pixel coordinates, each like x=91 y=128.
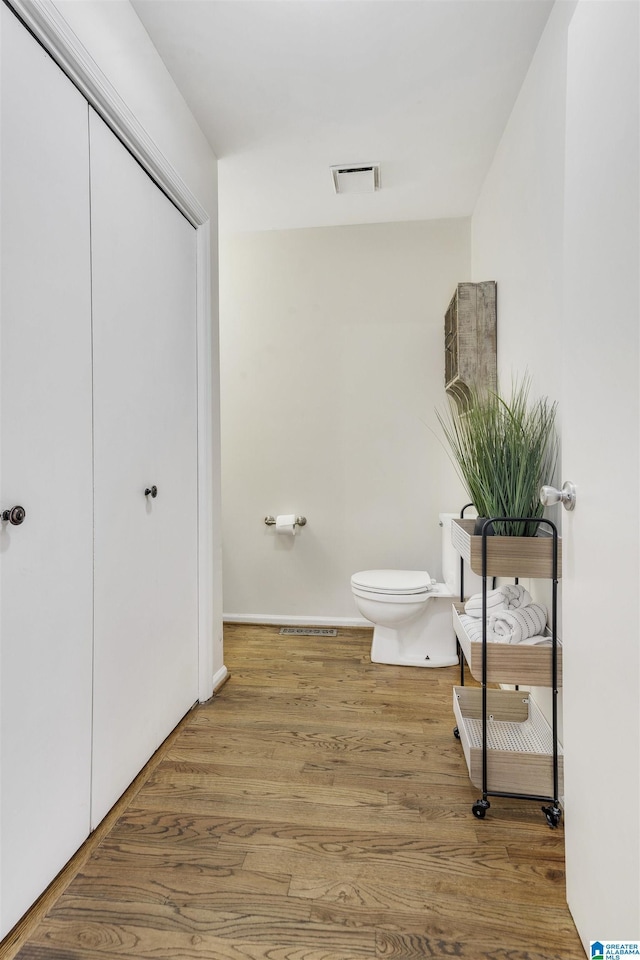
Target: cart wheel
x=480 y=808
x=456 y=733
x=553 y=815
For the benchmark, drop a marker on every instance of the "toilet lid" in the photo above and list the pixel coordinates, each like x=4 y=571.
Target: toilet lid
x=392 y=581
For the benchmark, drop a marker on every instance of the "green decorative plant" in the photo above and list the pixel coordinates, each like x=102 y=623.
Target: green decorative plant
x=504 y=450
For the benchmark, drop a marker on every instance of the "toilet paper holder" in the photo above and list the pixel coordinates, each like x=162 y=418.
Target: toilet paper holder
x=299 y=521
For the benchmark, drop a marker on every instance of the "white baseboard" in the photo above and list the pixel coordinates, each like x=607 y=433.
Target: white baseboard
x=288 y=621
x=219 y=677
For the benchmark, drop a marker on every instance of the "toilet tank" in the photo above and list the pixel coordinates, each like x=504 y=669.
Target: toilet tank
x=451 y=562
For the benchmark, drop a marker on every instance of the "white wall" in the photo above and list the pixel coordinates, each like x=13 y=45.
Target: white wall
x=119 y=44
x=332 y=346
x=517 y=237
x=517 y=224
x=556 y=226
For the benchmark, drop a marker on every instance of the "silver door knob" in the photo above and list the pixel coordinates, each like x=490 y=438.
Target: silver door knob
x=566 y=496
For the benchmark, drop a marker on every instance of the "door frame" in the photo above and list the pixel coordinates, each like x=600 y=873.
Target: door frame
x=50 y=28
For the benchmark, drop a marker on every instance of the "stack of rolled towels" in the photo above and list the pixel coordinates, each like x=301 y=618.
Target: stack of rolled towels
x=512 y=616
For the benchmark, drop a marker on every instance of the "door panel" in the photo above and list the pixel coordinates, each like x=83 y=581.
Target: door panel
x=600 y=444
x=45 y=428
x=144 y=284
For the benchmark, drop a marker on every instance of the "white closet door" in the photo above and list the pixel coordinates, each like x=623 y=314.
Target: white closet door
x=145 y=435
x=45 y=430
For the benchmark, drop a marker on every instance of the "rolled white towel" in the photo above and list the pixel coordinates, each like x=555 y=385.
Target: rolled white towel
x=511 y=596
x=514 y=626
x=516 y=596
x=495 y=601
x=473 y=628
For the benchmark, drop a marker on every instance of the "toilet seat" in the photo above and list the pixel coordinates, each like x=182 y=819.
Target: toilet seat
x=391 y=583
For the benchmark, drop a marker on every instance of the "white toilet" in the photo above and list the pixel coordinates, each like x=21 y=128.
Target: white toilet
x=411 y=613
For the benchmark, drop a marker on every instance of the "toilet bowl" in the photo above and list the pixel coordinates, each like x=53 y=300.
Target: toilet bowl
x=411 y=613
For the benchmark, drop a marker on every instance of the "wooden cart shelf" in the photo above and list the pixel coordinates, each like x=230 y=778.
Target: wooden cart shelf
x=506 y=556
x=517 y=663
x=519 y=741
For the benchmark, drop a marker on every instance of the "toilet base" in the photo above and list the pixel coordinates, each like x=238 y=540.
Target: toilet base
x=428 y=642
x=384 y=652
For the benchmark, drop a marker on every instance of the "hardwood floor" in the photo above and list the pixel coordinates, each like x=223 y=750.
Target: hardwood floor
x=318 y=808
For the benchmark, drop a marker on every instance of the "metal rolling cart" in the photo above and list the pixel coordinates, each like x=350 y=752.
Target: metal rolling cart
x=510 y=748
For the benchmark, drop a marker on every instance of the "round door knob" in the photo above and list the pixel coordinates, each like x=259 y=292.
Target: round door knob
x=566 y=496
x=151 y=491
x=15 y=516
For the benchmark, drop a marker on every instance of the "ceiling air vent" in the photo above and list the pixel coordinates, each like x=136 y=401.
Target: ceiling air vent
x=356 y=177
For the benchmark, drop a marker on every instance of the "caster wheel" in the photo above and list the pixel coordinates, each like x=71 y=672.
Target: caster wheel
x=480 y=808
x=456 y=733
x=552 y=814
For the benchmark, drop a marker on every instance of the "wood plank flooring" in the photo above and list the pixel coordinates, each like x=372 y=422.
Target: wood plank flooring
x=318 y=808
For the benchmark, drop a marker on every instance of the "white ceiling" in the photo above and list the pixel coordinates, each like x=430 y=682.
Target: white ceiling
x=283 y=89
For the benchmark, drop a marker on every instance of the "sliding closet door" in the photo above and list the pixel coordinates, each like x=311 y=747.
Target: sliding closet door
x=45 y=435
x=145 y=436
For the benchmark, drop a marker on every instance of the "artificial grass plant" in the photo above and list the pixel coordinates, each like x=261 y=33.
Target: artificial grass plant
x=504 y=450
